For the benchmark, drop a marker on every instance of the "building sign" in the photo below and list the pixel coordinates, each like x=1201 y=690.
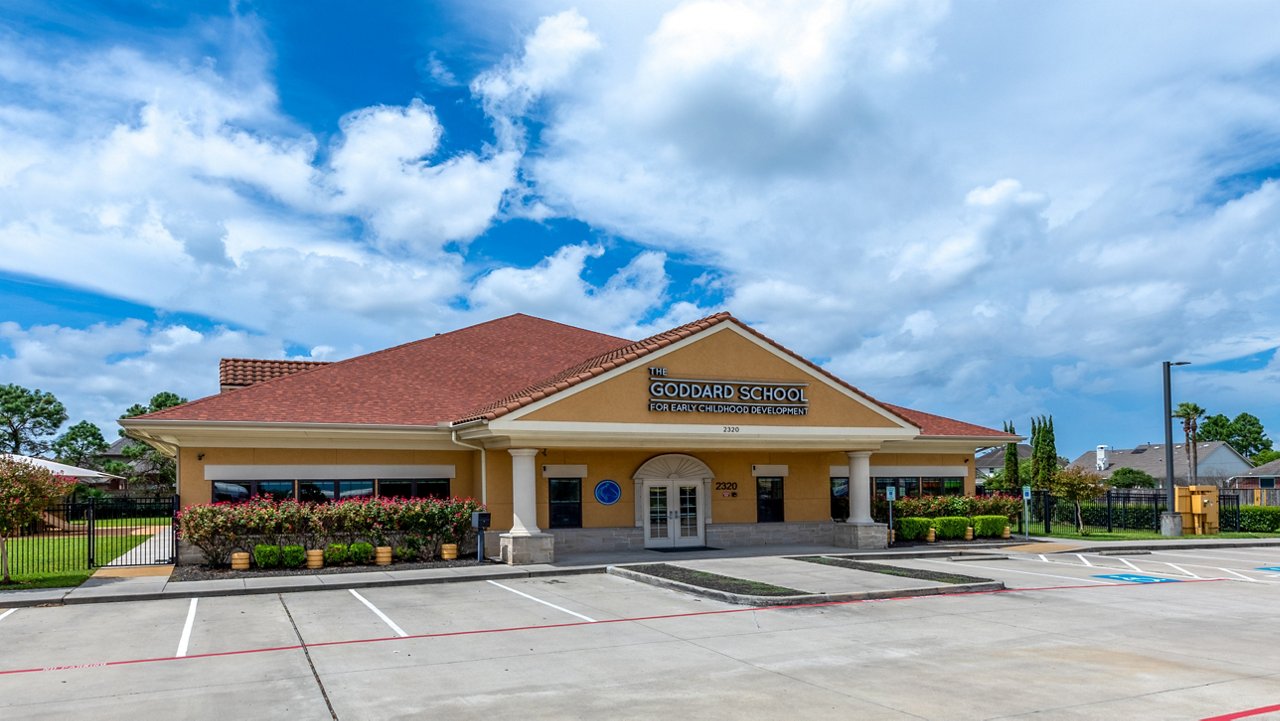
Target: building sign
x=686 y=395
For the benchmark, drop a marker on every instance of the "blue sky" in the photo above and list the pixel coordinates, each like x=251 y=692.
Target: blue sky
x=985 y=210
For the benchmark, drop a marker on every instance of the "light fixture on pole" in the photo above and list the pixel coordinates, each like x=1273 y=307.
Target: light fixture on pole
x=1170 y=521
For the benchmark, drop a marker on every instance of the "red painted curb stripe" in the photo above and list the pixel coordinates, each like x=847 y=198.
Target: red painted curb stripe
x=571 y=624
x=1244 y=714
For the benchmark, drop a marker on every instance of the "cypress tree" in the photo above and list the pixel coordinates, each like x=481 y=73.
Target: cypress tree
x=1035 y=453
x=1048 y=451
x=1011 y=479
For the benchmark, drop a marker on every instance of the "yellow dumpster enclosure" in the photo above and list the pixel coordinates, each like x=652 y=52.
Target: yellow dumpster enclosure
x=1198 y=506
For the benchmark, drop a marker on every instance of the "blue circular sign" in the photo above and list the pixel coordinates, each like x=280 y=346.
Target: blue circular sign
x=608 y=492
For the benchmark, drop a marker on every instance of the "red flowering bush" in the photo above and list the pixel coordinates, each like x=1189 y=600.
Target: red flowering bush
x=416 y=525
x=26 y=489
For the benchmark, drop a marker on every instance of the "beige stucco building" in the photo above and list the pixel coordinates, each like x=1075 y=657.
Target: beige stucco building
x=707 y=435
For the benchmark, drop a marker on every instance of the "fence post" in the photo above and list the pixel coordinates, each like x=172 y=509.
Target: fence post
x=89 y=523
x=173 y=528
x=1109 y=526
x=1156 y=522
x=1048 y=512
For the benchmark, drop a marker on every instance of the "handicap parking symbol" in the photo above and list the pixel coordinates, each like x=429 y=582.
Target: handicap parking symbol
x=1135 y=578
x=1269 y=568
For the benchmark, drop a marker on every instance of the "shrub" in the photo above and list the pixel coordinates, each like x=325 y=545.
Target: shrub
x=360 y=553
x=335 y=554
x=1259 y=519
x=989 y=526
x=404 y=553
x=266 y=555
x=950 y=526
x=913 y=528
x=293 y=556
x=999 y=504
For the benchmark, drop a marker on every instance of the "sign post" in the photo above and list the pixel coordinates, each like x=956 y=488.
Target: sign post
x=1026 y=512
x=891 y=495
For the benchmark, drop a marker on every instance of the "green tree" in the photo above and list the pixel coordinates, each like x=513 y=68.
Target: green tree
x=1264 y=457
x=1190 y=414
x=1077 y=485
x=80 y=445
x=1215 y=428
x=1044 y=452
x=1248 y=436
x=25 y=490
x=1011 y=479
x=152 y=471
x=27 y=419
x=1132 y=478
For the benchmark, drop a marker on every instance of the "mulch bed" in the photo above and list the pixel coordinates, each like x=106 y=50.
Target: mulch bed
x=916 y=573
x=204 y=573
x=713 y=581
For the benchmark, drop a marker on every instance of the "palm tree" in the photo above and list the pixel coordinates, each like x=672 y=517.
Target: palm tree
x=1190 y=413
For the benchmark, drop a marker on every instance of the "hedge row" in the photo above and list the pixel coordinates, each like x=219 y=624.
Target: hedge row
x=415 y=526
x=1260 y=519
x=938 y=506
x=913 y=528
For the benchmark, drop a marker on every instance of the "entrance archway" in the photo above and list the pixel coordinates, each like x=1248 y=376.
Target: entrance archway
x=673 y=500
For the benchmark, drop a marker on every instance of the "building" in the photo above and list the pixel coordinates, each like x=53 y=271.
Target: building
x=1217 y=462
x=708 y=434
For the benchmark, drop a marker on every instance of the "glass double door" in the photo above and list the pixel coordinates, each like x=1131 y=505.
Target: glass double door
x=673 y=514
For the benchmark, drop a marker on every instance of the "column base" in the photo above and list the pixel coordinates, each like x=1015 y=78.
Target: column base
x=1170 y=524
x=860 y=535
x=516 y=550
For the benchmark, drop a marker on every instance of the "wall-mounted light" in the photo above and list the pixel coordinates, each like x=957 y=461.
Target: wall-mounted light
x=199 y=456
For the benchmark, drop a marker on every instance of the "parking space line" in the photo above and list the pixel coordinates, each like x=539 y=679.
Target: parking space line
x=588 y=619
x=1084 y=560
x=1196 y=556
x=5 y=615
x=1127 y=563
x=1014 y=570
x=1240 y=575
x=399 y=631
x=186 y=629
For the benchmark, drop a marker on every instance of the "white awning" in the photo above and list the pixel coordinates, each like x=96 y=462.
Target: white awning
x=60 y=469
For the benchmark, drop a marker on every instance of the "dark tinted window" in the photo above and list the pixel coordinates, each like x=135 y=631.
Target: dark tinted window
x=768 y=500
x=565 y=500
x=839 y=498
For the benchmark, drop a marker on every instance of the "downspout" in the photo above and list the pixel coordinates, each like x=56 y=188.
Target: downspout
x=484 y=471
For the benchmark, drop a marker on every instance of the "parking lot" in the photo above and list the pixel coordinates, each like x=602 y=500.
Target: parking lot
x=1075 y=636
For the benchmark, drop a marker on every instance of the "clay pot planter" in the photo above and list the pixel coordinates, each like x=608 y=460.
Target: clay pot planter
x=931 y=536
x=968 y=533
x=1006 y=533
x=240 y=561
x=382 y=556
x=315 y=558
x=449 y=551
x=893 y=535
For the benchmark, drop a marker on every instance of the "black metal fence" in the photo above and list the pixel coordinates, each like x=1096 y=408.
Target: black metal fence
x=1117 y=510
x=80 y=535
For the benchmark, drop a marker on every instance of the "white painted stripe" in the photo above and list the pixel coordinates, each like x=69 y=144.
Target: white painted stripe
x=186 y=629
x=1130 y=565
x=588 y=619
x=1239 y=575
x=1014 y=570
x=392 y=624
x=1180 y=568
x=1042 y=558
x=1084 y=560
x=1197 y=556
x=5 y=615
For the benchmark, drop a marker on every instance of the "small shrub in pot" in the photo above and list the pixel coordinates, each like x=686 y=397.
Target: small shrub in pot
x=360 y=553
x=335 y=554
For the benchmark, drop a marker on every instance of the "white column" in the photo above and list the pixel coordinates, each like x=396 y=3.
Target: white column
x=859 y=487
x=524 y=492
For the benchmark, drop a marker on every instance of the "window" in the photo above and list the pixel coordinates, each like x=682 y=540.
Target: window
x=935 y=486
x=414 y=488
x=565 y=500
x=231 y=491
x=277 y=490
x=839 y=499
x=768 y=500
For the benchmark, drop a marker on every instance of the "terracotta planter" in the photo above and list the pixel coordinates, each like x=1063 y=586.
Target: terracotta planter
x=315 y=558
x=892 y=536
x=1006 y=533
x=449 y=551
x=968 y=533
x=382 y=556
x=931 y=536
x=240 y=561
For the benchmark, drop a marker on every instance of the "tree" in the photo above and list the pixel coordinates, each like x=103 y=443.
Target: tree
x=25 y=490
x=1190 y=414
x=152 y=470
x=1248 y=436
x=27 y=418
x=80 y=445
x=1132 y=478
x=1044 y=452
x=1265 y=457
x=1077 y=485
x=1215 y=428
x=1011 y=478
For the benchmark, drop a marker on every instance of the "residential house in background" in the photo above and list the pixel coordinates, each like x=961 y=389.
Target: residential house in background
x=1218 y=462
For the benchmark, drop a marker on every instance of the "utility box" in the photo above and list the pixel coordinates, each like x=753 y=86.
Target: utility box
x=480 y=519
x=1198 y=506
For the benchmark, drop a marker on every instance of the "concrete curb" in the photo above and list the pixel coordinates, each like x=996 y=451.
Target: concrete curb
x=804 y=599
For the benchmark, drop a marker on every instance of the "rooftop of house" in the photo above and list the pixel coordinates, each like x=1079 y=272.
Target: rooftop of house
x=1149 y=458
x=482 y=371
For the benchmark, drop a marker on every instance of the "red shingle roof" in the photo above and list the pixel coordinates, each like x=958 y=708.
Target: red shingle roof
x=480 y=372
x=240 y=372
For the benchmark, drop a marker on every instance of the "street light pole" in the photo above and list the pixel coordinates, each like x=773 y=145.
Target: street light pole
x=1170 y=520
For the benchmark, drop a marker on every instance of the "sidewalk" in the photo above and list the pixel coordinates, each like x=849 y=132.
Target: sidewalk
x=152 y=582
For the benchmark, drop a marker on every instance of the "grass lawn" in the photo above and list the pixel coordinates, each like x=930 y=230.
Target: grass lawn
x=1132 y=535
x=55 y=562
x=148 y=523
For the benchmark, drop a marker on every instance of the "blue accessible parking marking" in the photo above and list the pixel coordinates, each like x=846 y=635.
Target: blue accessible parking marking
x=1135 y=578
x=1269 y=568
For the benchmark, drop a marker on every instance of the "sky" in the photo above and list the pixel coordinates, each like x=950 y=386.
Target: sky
x=989 y=211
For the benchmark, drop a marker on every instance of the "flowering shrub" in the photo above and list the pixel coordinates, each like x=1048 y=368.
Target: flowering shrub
x=968 y=506
x=25 y=490
x=417 y=525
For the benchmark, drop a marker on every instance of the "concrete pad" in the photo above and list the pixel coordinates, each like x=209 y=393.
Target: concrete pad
x=133 y=571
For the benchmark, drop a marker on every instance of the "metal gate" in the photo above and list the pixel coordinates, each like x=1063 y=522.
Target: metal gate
x=80 y=535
